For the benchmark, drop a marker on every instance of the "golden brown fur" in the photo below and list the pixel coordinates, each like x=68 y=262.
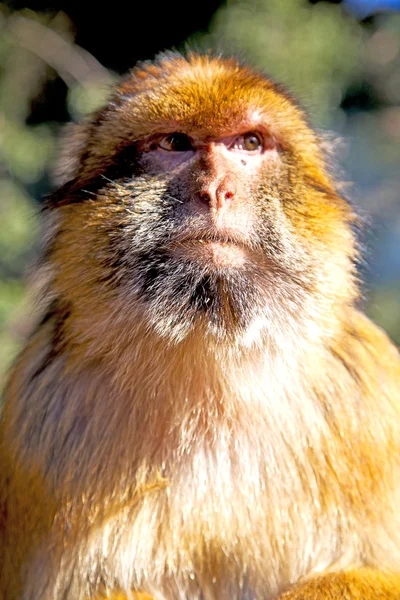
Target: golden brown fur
x=191 y=430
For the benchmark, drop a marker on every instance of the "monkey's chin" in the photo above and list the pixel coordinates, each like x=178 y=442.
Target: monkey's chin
x=217 y=287
x=213 y=253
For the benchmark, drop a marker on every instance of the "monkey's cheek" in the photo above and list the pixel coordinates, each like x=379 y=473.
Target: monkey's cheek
x=213 y=254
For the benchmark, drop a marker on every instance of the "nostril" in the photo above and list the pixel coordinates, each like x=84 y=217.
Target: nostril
x=217 y=198
x=205 y=198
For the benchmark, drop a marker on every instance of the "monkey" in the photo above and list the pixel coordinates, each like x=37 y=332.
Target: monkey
x=202 y=410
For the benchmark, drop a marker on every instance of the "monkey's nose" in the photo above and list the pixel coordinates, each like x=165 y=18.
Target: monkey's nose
x=217 y=197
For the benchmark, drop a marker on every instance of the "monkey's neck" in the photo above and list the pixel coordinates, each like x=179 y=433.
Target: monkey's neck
x=161 y=405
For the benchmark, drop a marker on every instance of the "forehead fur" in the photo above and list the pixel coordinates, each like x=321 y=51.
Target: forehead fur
x=200 y=93
x=210 y=94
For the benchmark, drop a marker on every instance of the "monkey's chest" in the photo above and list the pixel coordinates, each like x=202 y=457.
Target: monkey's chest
x=211 y=534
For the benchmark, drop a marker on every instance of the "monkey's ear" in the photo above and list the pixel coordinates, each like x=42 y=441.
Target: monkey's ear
x=71 y=147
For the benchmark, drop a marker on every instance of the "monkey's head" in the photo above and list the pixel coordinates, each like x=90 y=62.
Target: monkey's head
x=198 y=201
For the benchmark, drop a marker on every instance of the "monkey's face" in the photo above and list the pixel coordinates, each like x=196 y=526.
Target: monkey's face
x=201 y=201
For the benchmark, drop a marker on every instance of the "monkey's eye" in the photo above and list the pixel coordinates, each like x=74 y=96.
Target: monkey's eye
x=250 y=142
x=176 y=142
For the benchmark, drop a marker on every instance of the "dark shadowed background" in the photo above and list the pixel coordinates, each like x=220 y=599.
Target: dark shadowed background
x=340 y=58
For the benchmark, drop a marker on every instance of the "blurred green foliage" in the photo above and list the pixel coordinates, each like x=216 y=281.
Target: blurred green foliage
x=321 y=52
x=383 y=308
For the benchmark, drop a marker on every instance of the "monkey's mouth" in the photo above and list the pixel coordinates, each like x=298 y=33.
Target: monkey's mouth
x=220 y=251
x=214 y=249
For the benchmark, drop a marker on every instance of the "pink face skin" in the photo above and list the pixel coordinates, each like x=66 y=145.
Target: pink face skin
x=218 y=170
